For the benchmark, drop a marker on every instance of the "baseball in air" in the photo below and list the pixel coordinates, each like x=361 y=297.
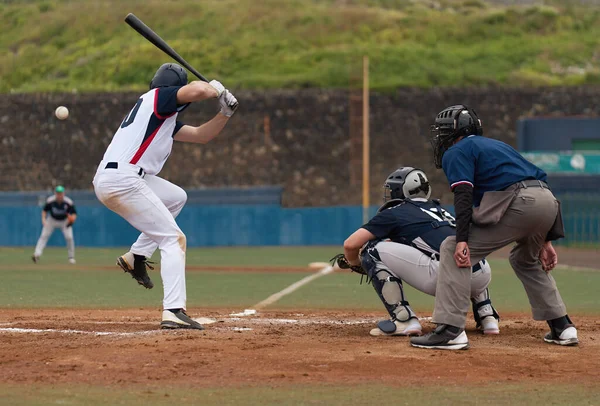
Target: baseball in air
x=61 y=112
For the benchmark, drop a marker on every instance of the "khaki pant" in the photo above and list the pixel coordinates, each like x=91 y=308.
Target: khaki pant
x=526 y=222
x=421 y=271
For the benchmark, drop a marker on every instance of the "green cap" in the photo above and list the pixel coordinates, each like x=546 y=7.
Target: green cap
x=59 y=189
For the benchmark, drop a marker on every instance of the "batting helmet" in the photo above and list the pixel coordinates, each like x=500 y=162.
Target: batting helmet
x=406 y=182
x=169 y=74
x=450 y=124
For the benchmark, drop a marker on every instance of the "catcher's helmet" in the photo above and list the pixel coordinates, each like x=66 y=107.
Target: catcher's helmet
x=406 y=183
x=169 y=74
x=450 y=124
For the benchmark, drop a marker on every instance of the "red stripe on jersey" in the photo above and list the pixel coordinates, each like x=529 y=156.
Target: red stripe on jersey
x=144 y=146
x=156 y=105
x=462 y=182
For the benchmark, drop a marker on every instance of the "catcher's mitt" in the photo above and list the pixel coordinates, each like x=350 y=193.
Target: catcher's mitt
x=343 y=263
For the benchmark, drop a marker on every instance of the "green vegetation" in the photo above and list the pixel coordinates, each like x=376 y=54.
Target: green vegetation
x=61 y=45
x=96 y=283
x=494 y=394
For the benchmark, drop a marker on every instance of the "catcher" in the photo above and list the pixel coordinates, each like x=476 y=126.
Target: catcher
x=402 y=244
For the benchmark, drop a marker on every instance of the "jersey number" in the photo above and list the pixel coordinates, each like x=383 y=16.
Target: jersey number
x=131 y=116
x=440 y=215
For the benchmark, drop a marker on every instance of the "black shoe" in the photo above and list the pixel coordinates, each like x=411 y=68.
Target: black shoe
x=138 y=270
x=178 y=319
x=443 y=338
x=35 y=259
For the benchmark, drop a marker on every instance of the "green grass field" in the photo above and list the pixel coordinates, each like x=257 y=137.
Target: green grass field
x=53 y=45
x=93 y=284
x=96 y=282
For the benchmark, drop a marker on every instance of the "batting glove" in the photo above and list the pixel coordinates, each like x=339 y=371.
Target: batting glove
x=218 y=87
x=228 y=102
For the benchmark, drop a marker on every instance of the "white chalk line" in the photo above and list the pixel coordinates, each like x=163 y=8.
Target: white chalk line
x=292 y=288
x=244 y=321
x=69 y=331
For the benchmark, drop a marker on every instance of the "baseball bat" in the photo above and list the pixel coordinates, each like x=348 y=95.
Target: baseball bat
x=160 y=43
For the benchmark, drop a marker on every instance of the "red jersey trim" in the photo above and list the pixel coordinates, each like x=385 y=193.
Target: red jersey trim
x=462 y=182
x=144 y=146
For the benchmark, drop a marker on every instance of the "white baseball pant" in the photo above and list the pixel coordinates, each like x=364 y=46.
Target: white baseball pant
x=150 y=204
x=421 y=271
x=48 y=229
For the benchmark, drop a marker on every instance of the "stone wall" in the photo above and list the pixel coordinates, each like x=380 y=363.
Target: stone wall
x=299 y=139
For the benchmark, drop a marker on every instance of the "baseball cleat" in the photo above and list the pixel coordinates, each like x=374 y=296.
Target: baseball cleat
x=444 y=337
x=178 y=319
x=567 y=337
x=72 y=261
x=135 y=265
x=411 y=327
x=35 y=259
x=489 y=325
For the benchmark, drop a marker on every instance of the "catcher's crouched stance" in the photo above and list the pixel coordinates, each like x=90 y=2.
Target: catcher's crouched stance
x=402 y=244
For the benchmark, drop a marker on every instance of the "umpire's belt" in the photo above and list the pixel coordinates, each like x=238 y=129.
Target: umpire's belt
x=115 y=165
x=476 y=267
x=524 y=184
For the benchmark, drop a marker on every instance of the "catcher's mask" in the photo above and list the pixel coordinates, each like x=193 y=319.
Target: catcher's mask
x=169 y=74
x=450 y=124
x=406 y=182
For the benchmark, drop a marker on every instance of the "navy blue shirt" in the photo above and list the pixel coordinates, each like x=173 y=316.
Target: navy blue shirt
x=413 y=223
x=487 y=165
x=61 y=210
x=166 y=104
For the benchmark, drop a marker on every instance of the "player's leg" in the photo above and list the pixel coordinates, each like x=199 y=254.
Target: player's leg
x=133 y=199
x=388 y=285
x=484 y=313
x=174 y=198
x=68 y=234
x=544 y=297
x=453 y=288
x=47 y=231
x=421 y=272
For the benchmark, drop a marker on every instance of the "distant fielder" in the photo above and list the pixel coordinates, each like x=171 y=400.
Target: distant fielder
x=127 y=184
x=59 y=212
x=402 y=244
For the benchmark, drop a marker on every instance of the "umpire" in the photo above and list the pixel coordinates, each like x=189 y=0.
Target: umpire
x=499 y=198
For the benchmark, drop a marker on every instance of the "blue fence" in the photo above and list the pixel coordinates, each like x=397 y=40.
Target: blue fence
x=242 y=224
x=221 y=225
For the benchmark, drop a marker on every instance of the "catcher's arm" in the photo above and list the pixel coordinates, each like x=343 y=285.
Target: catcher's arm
x=353 y=244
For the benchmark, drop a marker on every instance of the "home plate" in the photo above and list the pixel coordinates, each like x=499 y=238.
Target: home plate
x=205 y=320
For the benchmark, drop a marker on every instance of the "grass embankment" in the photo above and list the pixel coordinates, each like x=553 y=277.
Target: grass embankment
x=61 y=45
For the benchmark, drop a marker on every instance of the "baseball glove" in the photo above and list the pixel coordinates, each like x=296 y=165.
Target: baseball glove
x=70 y=220
x=343 y=263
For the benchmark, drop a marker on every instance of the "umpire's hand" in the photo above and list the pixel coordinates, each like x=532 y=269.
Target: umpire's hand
x=462 y=255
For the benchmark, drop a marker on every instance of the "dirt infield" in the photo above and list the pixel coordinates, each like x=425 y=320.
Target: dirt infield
x=124 y=347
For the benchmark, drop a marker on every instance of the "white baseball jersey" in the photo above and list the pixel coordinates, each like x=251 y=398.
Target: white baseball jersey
x=145 y=137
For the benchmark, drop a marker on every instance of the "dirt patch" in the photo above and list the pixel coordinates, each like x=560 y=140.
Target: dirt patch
x=275 y=348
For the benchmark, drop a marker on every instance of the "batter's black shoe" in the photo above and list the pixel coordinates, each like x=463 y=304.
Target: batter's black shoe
x=35 y=259
x=135 y=265
x=173 y=319
x=566 y=337
x=444 y=337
